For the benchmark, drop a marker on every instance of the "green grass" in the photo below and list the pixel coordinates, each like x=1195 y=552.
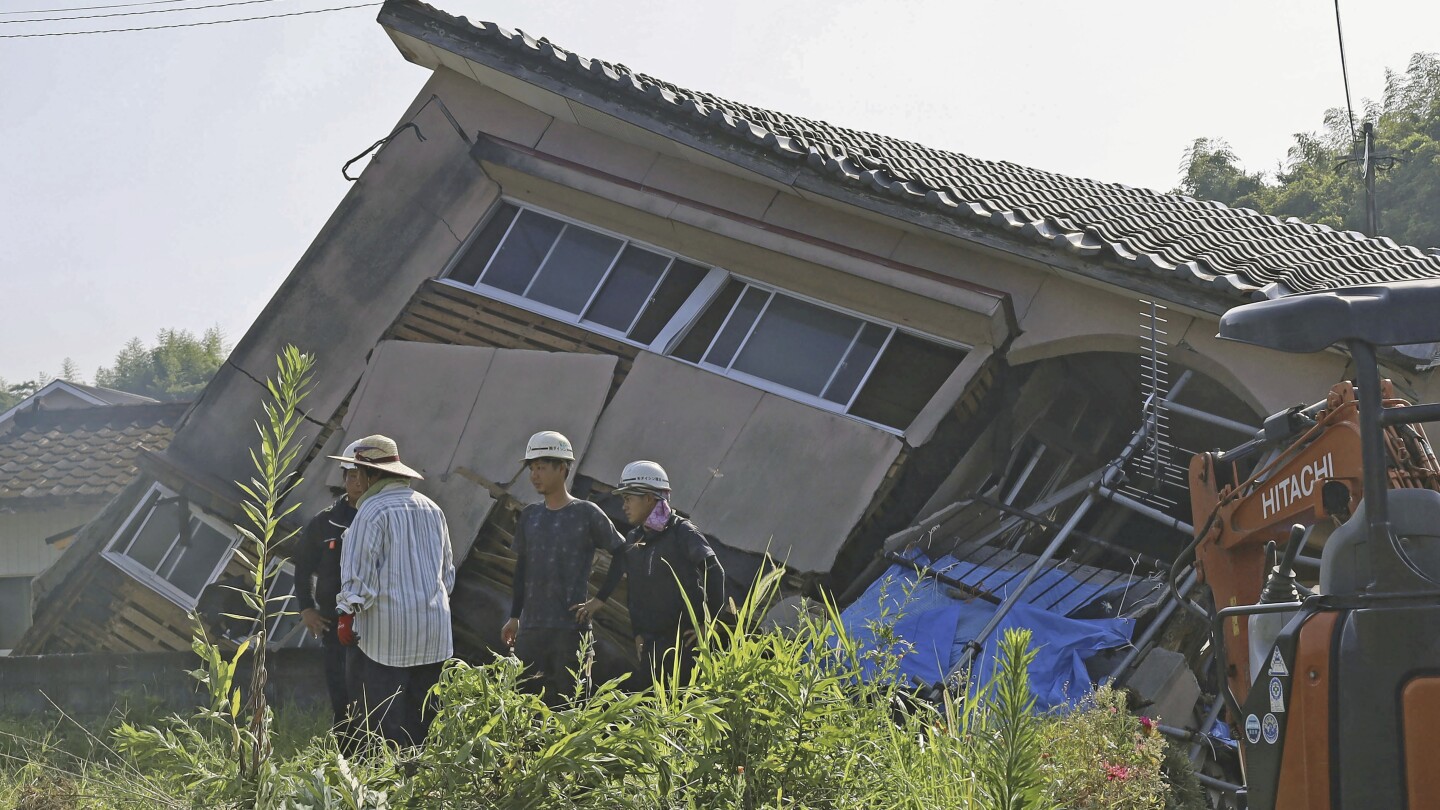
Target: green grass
x=768 y=721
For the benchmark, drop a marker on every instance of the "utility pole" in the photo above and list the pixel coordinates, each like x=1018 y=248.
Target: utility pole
x=1371 y=163
x=1372 y=217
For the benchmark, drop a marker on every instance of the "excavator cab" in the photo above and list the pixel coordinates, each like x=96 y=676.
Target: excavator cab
x=1344 y=711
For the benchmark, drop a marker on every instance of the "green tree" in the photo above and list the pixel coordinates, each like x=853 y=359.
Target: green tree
x=177 y=367
x=1211 y=171
x=8 y=397
x=1320 y=179
x=11 y=394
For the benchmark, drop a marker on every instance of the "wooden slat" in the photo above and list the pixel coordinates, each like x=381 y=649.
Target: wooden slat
x=134 y=639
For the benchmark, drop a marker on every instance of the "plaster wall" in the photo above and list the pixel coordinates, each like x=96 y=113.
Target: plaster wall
x=1068 y=317
x=23 y=551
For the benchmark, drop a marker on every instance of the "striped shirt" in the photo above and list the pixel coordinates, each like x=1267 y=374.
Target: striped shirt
x=396 y=574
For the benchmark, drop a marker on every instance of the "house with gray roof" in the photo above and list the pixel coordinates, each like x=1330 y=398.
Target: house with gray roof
x=65 y=451
x=826 y=336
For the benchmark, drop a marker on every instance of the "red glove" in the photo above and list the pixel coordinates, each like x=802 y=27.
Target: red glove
x=345 y=629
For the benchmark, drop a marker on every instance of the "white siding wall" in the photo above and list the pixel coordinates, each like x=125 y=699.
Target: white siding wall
x=22 y=538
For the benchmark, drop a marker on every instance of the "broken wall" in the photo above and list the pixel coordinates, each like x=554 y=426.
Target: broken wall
x=758 y=471
x=461 y=416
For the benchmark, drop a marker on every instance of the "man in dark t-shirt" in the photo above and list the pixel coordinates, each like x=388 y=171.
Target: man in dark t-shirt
x=555 y=544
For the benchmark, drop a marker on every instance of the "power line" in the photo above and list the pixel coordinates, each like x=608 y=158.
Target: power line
x=1344 y=71
x=136 y=13
x=187 y=25
x=88 y=8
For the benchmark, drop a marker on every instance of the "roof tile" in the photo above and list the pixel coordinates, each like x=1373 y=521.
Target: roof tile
x=1236 y=251
x=81 y=452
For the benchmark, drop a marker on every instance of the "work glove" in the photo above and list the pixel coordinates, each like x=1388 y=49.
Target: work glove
x=345 y=629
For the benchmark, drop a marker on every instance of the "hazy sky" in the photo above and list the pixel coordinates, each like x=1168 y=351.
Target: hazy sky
x=172 y=178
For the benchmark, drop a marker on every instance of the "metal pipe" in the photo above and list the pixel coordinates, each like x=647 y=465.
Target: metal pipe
x=1198 y=747
x=1238 y=452
x=1146 y=510
x=1025 y=473
x=1217 y=784
x=1410 y=414
x=1206 y=416
x=1044 y=504
x=1045 y=522
x=1151 y=630
x=975 y=644
x=1111 y=472
x=1180 y=383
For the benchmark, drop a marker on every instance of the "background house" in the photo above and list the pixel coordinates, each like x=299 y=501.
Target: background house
x=824 y=335
x=64 y=452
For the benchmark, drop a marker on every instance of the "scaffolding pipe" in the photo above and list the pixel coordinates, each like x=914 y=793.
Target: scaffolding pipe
x=1025 y=474
x=1205 y=416
x=1148 y=511
x=1111 y=472
x=1045 y=504
x=1198 y=747
x=1217 y=784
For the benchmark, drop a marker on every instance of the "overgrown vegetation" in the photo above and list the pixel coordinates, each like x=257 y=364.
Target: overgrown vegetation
x=769 y=720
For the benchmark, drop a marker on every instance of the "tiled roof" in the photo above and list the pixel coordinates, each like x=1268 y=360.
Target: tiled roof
x=81 y=452
x=1239 y=251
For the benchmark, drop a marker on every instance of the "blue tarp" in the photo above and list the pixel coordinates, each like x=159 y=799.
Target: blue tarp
x=938 y=625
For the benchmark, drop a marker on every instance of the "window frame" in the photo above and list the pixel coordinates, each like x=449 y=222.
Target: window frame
x=153 y=579
x=687 y=315
x=780 y=388
x=555 y=313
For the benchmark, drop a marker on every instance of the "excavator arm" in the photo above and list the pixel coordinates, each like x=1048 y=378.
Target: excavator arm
x=1315 y=481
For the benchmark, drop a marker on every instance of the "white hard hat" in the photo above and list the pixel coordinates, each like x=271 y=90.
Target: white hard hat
x=549 y=444
x=350 y=453
x=645 y=477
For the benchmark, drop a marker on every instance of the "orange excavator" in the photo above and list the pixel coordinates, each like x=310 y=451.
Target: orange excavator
x=1334 y=691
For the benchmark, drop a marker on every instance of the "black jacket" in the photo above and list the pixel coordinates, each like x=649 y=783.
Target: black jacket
x=664 y=568
x=318 y=556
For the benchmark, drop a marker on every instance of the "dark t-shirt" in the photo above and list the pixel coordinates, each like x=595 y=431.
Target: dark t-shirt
x=665 y=569
x=556 y=548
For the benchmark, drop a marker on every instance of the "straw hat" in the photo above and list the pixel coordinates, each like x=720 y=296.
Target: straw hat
x=378 y=453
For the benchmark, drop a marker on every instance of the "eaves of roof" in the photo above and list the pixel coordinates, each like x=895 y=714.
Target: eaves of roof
x=1137 y=238
x=94 y=395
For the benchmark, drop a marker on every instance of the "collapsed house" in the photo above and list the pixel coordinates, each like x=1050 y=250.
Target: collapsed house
x=854 y=355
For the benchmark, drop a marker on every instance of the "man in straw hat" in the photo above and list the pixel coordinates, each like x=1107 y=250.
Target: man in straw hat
x=317 y=582
x=396 y=574
x=555 y=544
x=668 y=563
